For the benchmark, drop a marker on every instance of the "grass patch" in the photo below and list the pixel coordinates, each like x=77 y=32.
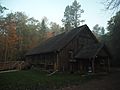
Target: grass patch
x=37 y=80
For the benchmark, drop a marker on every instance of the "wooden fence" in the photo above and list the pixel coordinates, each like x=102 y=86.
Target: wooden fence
x=11 y=65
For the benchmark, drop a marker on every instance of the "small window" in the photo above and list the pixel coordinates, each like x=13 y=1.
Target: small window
x=71 y=54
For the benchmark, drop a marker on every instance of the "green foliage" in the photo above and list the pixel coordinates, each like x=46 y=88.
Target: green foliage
x=55 y=28
x=28 y=32
x=72 y=15
x=44 y=27
x=19 y=33
x=67 y=21
x=2 y=9
x=114 y=33
x=76 y=12
x=111 y=38
x=99 y=32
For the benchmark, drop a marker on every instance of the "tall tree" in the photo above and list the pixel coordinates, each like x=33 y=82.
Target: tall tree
x=72 y=15
x=9 y=38
x=34 y=35
x=26 y=30
x=3 y=33
x=67 y=20
x=55 y=28
x=76 y=12
x=114 y=31
x=44 y=27
x=11 y=41
x=96 y=29
x=22 y=32
x=99 y=32
x=19 y=33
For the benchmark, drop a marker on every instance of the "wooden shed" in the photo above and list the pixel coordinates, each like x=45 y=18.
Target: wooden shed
x=76 y=50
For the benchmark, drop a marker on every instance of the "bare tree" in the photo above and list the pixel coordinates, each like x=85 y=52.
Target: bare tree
x=112 y=4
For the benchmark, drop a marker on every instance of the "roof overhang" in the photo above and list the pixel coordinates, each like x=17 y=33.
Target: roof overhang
x=92 y=51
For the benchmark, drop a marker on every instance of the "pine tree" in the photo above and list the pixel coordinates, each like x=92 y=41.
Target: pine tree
x=72 y=16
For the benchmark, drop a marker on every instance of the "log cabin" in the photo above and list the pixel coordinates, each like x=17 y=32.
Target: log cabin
x=76 y=51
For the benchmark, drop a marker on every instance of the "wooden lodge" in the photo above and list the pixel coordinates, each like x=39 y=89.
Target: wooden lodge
x=76 y=51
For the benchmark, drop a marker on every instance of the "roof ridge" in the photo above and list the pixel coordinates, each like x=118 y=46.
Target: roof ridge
x=77 y=32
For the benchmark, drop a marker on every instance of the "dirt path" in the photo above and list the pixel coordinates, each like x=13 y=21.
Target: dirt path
x=109 y=82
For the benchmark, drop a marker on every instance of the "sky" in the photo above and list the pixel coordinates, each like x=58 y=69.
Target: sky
x=94 y=10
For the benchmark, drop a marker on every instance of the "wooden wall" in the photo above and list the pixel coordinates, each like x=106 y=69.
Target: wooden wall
x=43 y=61
x=75 y=45
x=61 y=60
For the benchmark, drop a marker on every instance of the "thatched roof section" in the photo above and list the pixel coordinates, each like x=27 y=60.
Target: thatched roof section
x=56 y=43
x=90 y=51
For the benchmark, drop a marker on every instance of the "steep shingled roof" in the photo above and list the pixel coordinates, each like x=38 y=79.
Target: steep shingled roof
x=56 y=43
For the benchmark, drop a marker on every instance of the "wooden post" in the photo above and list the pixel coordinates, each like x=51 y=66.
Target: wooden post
x=45 y=62
x=57 y=62
x=105 y=65
x=93 y=66
x=108 y=64
x=55 y=66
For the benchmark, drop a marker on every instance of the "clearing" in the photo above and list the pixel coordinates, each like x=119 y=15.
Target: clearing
x=37 y=80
